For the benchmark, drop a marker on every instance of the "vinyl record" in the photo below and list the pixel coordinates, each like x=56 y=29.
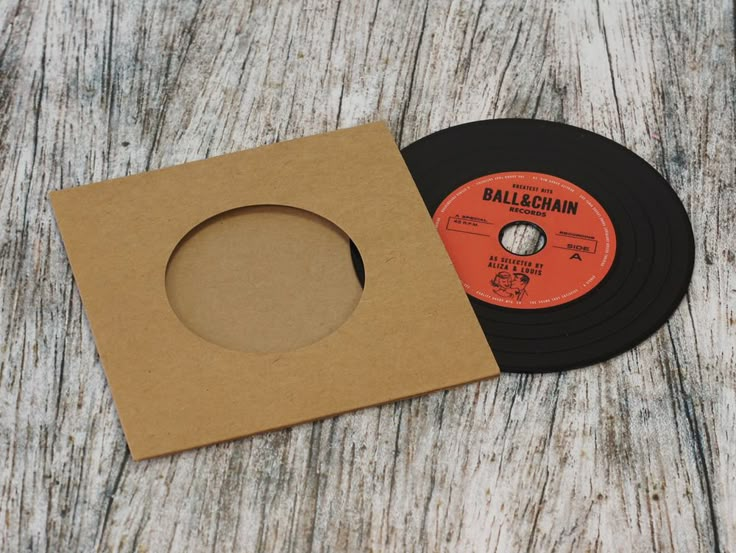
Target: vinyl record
x=615 y=251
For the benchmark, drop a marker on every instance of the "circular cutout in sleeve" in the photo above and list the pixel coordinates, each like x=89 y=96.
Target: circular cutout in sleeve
x=263 y=279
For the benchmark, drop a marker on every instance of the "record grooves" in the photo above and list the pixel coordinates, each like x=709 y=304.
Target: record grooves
x=619 y=251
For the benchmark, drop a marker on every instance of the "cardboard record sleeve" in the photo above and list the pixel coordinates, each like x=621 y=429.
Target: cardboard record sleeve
x=177 y=387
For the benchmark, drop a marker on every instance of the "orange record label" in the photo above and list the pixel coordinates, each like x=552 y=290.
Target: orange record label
x=575 y=250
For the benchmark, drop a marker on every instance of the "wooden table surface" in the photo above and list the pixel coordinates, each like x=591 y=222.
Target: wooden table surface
x=635 y=454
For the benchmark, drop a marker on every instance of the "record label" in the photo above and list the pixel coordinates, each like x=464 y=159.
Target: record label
x=576 y=250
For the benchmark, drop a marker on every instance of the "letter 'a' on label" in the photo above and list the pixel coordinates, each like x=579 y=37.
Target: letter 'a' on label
x=579 y=251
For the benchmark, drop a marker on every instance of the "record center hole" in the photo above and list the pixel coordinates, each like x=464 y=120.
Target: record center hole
x=522 y=238
x=264 y=278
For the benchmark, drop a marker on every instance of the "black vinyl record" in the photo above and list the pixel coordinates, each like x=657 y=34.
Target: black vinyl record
x=617 y=251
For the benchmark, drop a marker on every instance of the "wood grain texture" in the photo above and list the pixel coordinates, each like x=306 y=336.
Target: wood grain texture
x=635 y=454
